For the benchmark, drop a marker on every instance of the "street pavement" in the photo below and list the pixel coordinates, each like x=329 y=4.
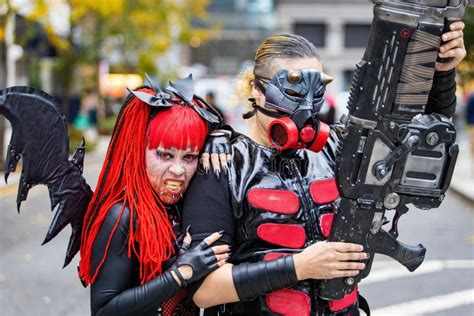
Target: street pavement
x=463 y=177
x=32 y=281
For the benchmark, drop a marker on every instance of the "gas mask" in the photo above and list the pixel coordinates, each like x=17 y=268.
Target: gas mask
x=297 y=95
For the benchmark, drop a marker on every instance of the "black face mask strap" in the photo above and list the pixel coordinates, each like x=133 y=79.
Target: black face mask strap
x=252 y=112
x=256 y=108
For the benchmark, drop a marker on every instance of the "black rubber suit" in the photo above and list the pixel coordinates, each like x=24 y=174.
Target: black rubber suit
x=272 y=204
x=117 y=289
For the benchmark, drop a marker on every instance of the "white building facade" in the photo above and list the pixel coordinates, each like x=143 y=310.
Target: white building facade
x=338 y=28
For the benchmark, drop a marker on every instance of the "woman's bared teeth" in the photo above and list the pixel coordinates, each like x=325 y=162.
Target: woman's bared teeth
x=173 y=185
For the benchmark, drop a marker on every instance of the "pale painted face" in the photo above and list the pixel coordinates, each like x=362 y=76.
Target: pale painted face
x=170 y=171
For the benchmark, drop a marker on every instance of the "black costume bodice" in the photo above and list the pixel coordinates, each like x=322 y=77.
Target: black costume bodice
x=117 y=289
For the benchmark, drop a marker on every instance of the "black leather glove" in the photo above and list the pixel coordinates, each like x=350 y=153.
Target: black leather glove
x=201 y=259
x=218 y=142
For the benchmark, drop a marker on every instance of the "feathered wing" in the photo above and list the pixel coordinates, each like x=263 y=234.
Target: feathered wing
x=40 y=140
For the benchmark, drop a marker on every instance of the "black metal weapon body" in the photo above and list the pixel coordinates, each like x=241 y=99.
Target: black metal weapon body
x=391 y=154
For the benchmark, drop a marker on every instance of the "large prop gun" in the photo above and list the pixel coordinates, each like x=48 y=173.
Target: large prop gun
x=391 y=154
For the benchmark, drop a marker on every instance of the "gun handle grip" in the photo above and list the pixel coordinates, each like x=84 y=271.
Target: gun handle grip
x=409 y=256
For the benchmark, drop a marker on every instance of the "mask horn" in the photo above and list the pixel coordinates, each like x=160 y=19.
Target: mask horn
x=326 y=79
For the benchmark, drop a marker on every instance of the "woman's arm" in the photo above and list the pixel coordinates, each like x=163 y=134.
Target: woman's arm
x=207 y=207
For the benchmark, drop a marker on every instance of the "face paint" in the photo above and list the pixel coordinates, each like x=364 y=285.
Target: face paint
x=170 y=171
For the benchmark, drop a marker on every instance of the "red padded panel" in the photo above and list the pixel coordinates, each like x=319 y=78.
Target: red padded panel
x=325 y=222
x=276 y=201
x=289 y=302
x=275 y=255
x=286 y=235
x=324 y=191
x=347 y=301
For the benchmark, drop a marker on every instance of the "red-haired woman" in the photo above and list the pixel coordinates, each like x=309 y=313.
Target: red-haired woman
x=129 y=250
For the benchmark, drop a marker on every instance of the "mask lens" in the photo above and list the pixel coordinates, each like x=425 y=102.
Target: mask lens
x=283 y=133
x=279 y=134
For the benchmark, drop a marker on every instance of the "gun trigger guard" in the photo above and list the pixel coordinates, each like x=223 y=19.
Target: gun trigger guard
x=398 y=213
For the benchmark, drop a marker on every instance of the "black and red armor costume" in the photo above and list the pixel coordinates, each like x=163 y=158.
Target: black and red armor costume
x=272 y=204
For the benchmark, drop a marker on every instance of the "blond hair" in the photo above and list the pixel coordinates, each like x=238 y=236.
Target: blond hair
x=278 y=46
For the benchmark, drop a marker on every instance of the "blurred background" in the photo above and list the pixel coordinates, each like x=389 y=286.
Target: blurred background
x=86 y=53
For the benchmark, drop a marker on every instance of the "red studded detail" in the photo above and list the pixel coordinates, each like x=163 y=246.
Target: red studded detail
x=289 y=302
x=286 y=235
x=324 y=191
x=348 y=300
x=276 y=201
x=325 y=222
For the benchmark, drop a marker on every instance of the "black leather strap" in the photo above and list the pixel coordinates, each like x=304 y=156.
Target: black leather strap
x=253 y=280
x=363 y=305
x=201 y=259
x=182 y=280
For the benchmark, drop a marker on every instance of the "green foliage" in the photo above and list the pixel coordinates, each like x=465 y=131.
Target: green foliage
x=106 y=125
x=75 y=139
x=141 y=29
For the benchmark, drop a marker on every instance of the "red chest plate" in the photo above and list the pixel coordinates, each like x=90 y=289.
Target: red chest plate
x=289 y=302
x=286 y=235
x=276 y=201
x=324 y=191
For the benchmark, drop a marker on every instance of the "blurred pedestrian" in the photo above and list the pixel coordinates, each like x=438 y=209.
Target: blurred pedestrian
x=470 y=126
x=86 y=120
x=211 y=99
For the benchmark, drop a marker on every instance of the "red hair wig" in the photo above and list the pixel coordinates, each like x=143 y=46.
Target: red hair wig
x=123 y=180
x=163 y=129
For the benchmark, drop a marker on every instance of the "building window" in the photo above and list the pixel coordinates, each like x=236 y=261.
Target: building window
x=347 y=79
x=356 y=35
x=315 y=33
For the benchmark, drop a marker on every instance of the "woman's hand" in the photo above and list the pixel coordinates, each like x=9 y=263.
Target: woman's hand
x=217 y=151
x=453 y=47
x=194 y=264
x=329 y=260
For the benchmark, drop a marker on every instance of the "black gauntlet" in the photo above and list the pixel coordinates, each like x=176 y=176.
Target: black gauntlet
x=253 y=280
x=200 y=258
x=442 y=97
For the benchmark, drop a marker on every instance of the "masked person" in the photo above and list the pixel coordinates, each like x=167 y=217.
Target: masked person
x=277 y=201
x=129 y=250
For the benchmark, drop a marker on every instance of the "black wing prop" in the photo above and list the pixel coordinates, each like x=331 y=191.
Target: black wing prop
x=40 y=140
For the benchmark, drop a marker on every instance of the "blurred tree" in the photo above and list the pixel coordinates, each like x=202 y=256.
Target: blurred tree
x=466 y=68
x=140 y=30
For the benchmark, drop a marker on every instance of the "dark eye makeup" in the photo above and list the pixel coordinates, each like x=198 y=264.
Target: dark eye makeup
x=190 y=158
x=164 y=155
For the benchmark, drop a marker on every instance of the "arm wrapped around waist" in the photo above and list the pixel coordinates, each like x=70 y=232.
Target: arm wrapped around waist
x=253 y=280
